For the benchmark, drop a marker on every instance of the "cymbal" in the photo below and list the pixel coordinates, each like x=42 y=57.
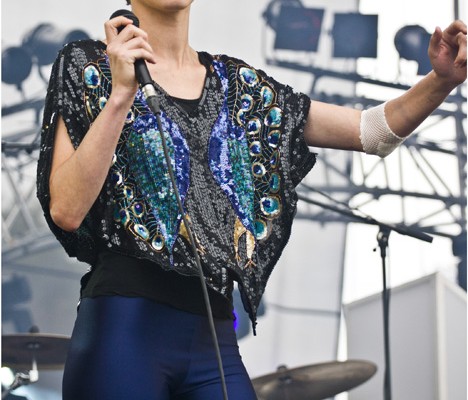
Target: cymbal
x=49 y=351
x=313 y=382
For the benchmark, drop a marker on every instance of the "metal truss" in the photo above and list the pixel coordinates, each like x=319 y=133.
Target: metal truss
x=23 y=228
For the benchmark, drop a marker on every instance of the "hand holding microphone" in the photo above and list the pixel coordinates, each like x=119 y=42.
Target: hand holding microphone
x=128 y=50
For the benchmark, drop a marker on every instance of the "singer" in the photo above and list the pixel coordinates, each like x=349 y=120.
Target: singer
x=238 y=142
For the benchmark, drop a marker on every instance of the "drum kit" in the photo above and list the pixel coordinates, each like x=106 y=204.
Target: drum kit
x=35 y=351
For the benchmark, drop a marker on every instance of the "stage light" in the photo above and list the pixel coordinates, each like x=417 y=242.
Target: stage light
x=411 y=43
x=40 y=47
x=297 y=28
x=74 y=35
x=16 y=66
x=271 y=13
x=44 y=42
x=355 y=35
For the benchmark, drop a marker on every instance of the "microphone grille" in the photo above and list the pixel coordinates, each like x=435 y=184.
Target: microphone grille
x=127 y=14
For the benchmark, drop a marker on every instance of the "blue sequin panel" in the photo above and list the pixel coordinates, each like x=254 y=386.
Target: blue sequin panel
x=149 y=169
x=229 y=159
x=252 y=108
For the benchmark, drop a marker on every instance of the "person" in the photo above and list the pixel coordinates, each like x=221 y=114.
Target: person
x=239 y=144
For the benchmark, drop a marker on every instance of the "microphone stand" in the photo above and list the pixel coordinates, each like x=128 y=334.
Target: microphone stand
x=382 y=240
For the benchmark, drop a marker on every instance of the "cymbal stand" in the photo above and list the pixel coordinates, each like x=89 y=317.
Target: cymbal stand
x=23 y=378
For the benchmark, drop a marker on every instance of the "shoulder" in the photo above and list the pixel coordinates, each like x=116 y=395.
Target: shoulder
x=72 y=60
x=248 y=74
x=239 y=69
x=82 y=51
x=231 y=61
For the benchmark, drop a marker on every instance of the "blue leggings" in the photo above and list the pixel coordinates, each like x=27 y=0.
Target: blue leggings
x=126 y=348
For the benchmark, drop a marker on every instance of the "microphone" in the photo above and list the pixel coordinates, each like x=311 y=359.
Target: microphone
x=142 y=74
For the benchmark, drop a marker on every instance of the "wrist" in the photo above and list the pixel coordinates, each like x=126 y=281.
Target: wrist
x=120 y=100
x=441 y=83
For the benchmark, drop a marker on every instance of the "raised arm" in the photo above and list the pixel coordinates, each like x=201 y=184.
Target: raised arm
x=77 y=176
x=338 y=127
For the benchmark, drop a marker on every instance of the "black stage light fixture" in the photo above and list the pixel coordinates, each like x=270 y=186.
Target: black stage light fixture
x=16 y=66
x=298 y=28
x=271 y=13
x=355 y=35
x=45 y=40
x=412 y=42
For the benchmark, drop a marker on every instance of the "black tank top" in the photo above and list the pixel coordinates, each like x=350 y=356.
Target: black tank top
x=119 y=275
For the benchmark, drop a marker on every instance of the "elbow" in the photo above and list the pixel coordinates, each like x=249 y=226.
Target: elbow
x=64 y=218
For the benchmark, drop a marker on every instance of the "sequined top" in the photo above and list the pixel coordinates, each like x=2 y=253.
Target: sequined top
x=237 y=161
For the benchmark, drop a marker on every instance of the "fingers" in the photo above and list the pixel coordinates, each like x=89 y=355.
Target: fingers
x=124 y=40
x=436 y=37
x=126 y=43
x=460 y=60
x=112 y=26
x=453 y=33
x=455 y=27
x=455 y=36
x=130 y=48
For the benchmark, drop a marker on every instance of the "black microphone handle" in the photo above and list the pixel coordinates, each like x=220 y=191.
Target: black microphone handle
x=142 y=74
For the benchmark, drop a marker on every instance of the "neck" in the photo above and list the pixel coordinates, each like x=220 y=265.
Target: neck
x=167 y=33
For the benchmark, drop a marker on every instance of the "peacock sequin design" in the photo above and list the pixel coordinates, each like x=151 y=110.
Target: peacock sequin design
x=144 y=200
x=243 y=153
x=148 y=166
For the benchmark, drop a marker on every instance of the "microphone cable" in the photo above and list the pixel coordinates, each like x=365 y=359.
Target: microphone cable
x=149 y=92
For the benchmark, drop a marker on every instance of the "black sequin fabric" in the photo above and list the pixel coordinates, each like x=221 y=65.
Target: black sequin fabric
x=237 y=161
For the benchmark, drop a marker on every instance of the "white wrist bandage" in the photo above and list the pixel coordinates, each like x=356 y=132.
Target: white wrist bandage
x=376 y=136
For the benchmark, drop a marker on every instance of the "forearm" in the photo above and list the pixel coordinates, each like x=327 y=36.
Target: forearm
x=76 y=182
x=405 y=113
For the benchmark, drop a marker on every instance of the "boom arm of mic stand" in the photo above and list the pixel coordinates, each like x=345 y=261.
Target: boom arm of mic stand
x=401 y=229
